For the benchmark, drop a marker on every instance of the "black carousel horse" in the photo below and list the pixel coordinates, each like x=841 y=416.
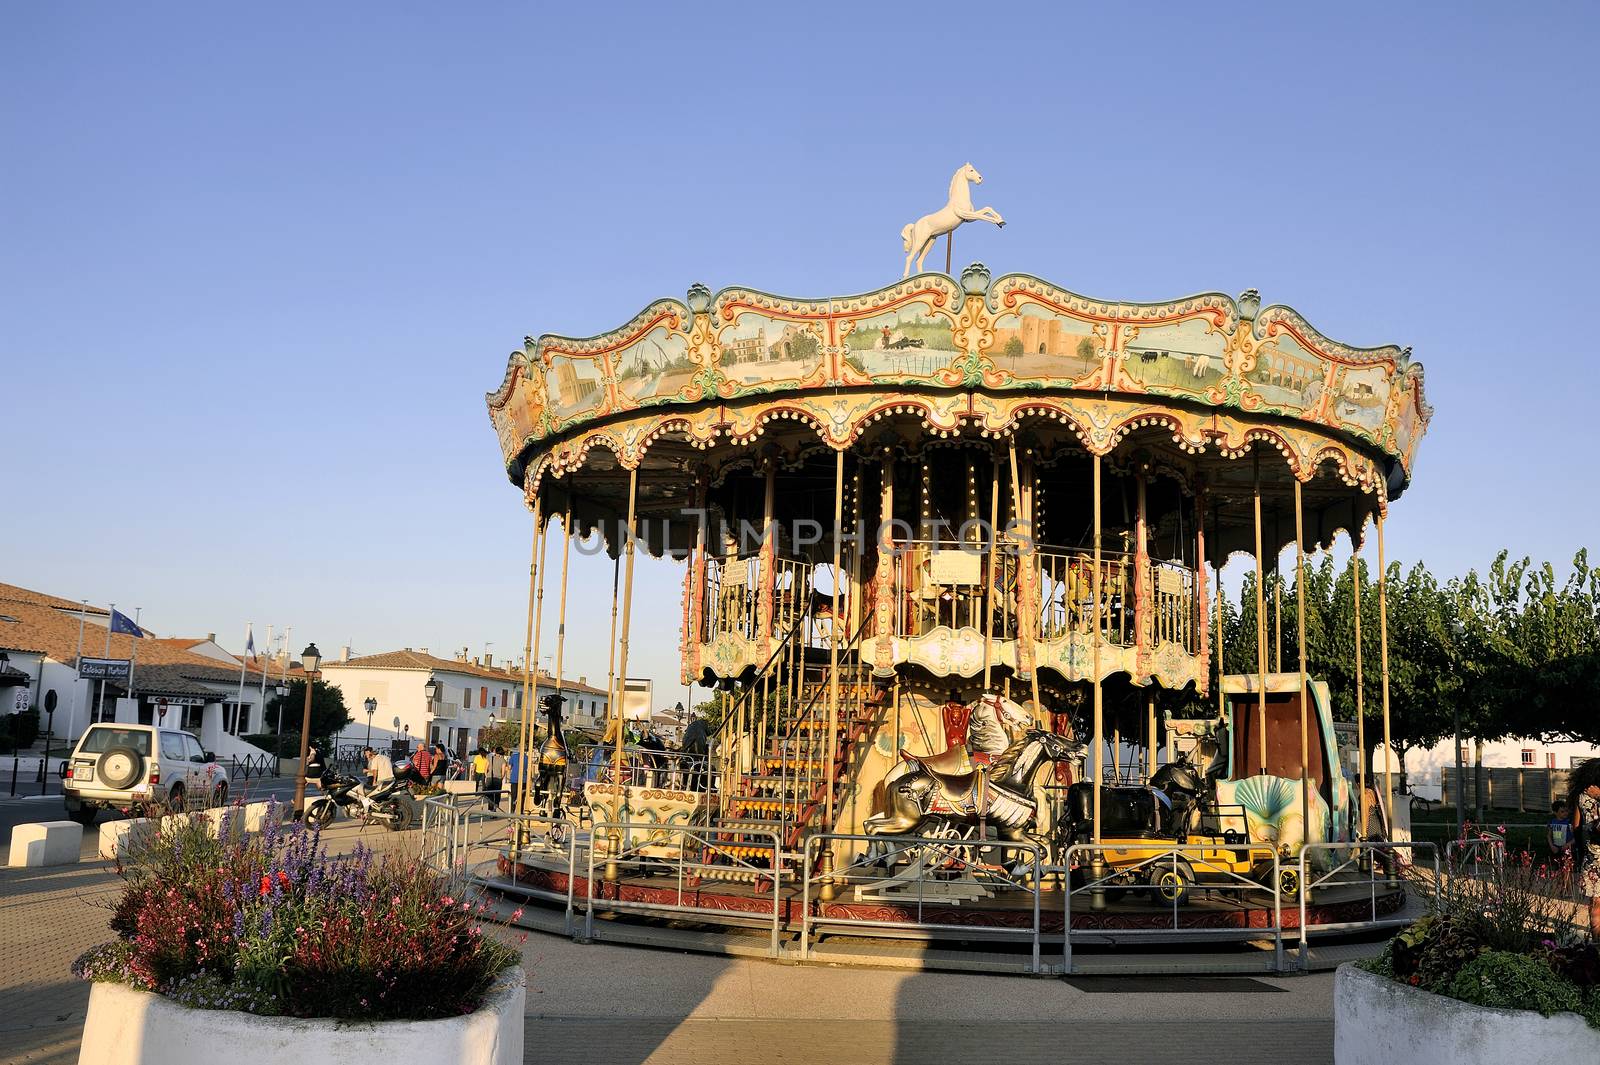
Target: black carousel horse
x=550 y=783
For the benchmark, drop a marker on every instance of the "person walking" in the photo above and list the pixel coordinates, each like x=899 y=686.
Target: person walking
x=494 y=777
x=1584 y=795
x=480 y=766
x=514 y=777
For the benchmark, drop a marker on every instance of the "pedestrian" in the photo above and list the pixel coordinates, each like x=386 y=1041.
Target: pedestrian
x=422 y=764
x=514 y=776
x=494 y=776
x=380 y=768
x=1584 y=794
x=480 y=766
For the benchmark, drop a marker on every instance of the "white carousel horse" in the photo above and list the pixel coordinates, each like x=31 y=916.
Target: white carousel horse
x=919 y=236
x=988 y=733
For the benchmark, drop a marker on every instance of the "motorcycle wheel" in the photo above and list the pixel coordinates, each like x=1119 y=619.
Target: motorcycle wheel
x=403 y=810
x=320 y=814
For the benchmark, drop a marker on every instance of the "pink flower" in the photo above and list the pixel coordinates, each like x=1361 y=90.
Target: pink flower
x=516 y=915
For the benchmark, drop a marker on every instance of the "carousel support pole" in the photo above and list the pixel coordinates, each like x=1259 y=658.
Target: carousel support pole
x=949 y=250
x=1027 y=615
x=620 y=683
x=1300 y=634
x=1277 y=599
x=1261 y=622
x=1150 y=735
x=1383 y=684
x=527 y=660
x=1217 y=640
x=558 y=801
x=827 y=890
x=1097 y=865
x=989 y=596
x=1361 y=735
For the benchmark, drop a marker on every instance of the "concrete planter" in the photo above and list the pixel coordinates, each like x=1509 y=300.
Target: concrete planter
x=128 y=1027
x=1377 y=1021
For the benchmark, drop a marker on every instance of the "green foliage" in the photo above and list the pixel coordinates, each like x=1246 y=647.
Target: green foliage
x=1430 y=952
x=328 y=712
x=1504 y=980
x=284 y=746
x=18 y=731
x=1511 y=653
x=507 y=734
x=1013 y=347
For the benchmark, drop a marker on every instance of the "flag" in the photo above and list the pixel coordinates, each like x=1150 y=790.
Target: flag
x=250 y=641
x=121 y=623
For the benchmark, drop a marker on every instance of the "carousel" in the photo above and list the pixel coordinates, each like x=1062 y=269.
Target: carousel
x=950 y=555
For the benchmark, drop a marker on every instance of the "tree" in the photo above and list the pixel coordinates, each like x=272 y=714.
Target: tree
x=328 y=713
x=1012 y=348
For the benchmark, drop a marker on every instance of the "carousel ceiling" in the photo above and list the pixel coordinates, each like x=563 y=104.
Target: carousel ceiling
x=1204 y=381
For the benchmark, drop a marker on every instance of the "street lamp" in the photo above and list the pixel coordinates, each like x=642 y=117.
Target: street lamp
x=310 y=659
x=430 y=691
x=372 y=708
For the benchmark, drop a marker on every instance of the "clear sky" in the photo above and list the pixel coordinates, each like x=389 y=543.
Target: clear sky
x=260 y=263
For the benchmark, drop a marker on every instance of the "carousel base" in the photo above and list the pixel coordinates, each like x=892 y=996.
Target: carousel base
x=732 y=919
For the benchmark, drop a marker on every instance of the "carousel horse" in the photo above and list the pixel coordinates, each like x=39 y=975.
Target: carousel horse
x=552 y=764
x=1001 y=795
x=988 y=737
x=918 y=236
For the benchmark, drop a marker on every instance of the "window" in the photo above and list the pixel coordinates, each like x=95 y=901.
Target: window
x=196 y=752
x=102 y=738
x=172 y=747
x=1528 y=756
x=483 y=697
x=505 y=697
x=466 y=698
x=1550 y=760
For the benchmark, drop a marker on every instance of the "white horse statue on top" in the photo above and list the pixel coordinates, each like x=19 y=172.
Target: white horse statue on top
x=919 y=236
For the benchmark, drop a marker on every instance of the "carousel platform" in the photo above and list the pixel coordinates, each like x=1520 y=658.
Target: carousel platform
x=1209 y=934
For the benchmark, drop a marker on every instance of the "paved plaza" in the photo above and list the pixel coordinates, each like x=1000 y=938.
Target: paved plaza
x=613 y=1004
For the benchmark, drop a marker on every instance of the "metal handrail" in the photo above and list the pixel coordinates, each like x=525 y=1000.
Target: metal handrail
x=1356 y=850
x=1194 y=855
x=710 y=844
x=516 y=838
x=957 y=850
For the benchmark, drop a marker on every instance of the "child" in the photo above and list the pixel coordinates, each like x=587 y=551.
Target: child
x=1558 y=831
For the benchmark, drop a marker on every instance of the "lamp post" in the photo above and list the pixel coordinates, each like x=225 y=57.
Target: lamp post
x=430 y=692
x=310 y=659
x=372 y=708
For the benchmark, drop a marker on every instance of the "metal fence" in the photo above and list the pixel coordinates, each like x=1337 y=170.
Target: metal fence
x=1167 y=875
x=919 y=874
x=1370 y=865
x=685 y=856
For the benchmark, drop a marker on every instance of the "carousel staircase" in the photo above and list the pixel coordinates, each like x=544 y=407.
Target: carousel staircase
x=783 y=792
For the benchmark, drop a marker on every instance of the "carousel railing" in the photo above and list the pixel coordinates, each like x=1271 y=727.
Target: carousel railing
x=484 y=846
x=949 y=584
x=690 y=855
x=1174 y=605
x=642 y=767
x=802 y=741
x=1360 y=868
x=732 y=746
x=1140 y=870
x=925 y=880
x=1067 y=600
x=735 y=585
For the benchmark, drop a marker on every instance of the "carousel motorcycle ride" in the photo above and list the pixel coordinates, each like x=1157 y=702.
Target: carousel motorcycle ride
x=388 y=804
x=1142 y=824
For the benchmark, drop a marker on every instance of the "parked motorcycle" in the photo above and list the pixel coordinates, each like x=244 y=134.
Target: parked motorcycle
x=389 y=804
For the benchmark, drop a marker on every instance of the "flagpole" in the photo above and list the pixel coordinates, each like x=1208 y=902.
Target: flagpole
x=77 y=663
x=288 y=644
x=100 y=703
x=238 y=706
x=265 y=669
x=134 y=660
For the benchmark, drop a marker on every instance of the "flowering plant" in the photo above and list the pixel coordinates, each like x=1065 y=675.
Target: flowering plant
x=272 y=924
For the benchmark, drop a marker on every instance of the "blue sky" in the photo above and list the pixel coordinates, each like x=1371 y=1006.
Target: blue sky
x=259 y=264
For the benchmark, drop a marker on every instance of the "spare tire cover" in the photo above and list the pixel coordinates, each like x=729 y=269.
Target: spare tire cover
x=119 y=767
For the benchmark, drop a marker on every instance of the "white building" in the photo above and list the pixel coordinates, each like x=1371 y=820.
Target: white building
x=1425 y=768
x=470 y=694
x=196 y=680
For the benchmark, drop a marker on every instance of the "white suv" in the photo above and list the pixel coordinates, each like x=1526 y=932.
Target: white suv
x=121 y=767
